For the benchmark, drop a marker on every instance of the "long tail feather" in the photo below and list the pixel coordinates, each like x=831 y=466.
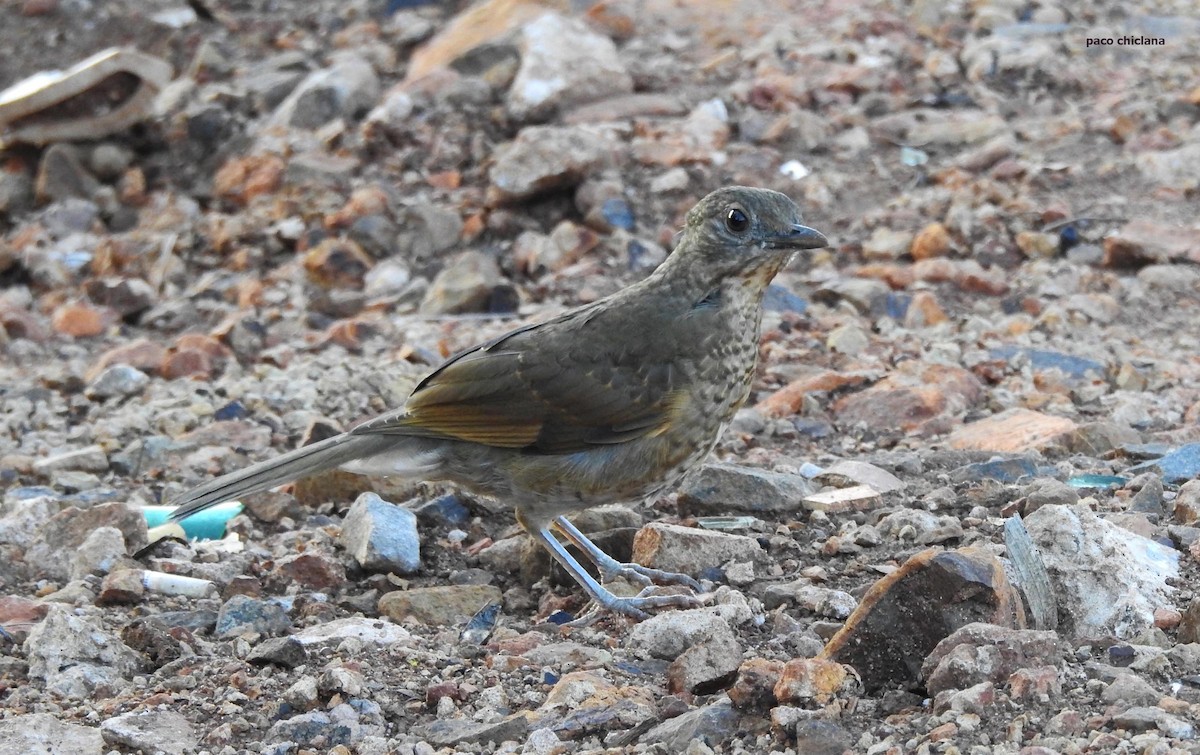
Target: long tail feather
x=305 y=461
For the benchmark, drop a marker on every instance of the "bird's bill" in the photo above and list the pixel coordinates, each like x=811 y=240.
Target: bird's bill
x=799 y=237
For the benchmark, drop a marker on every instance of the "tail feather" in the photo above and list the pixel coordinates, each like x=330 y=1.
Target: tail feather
x=307 y=460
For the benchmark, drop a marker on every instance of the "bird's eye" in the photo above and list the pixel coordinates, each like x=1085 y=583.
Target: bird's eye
x=737 y=221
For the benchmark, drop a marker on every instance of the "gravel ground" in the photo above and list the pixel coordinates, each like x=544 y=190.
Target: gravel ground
x=961 y=512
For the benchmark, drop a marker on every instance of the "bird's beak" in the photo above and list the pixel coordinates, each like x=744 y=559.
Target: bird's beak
x=799 y=237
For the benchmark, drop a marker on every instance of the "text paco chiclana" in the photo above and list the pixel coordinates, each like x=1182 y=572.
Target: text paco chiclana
x=1096 y=41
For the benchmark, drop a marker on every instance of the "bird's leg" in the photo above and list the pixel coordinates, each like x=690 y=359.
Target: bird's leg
x=610 y=568
x=631 y=607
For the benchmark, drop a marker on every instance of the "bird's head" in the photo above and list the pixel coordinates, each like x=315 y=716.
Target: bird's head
x=740 y=230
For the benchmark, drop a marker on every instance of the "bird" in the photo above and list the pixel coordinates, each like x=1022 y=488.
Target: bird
x=613 y=401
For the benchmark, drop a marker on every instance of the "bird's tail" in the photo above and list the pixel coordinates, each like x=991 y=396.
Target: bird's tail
x=304 y=461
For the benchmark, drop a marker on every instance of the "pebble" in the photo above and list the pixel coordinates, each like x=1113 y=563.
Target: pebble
x=543 y=158
x=714 y=723
x=55 y=542
x=76 y=658
x=347 y=88
x=43 y=732
x=563 y=63
x=99 y=552
x=119 y=380
x=977 y=653
x=689 y=550
x=241 y=614
x=668 y=635
x=443 y=605
x=465 y=284
x=722 y=489
x=381 y=536
x=156 y=731
x=287 y=652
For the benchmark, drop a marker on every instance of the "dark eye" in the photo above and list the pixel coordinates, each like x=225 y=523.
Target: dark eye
x=737 y=221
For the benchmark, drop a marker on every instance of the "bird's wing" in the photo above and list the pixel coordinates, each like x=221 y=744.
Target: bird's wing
x=553 y=387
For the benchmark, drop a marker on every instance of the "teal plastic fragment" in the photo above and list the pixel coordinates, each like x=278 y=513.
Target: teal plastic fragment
x=205 y=525
x=1098 y=481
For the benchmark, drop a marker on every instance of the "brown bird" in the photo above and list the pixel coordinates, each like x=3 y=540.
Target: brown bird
x=611 y=401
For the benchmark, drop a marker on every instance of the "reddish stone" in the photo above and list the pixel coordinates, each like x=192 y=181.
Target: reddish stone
x=812 y=680
x=788 y=399
x=1167 y=618
x=312 y=570
x=363 y=201
x=337 y=263
x=1142 y=242
x=143 y=354
x=924 y=310
x=18 y=615
x=187 y=363
x=121 y=587
x=754 y=688
x=932 y=241
x=21 y=323
x=241 y=179
x=923 y=399
x=1039 y=684
x=945 y=731
x=80 y=320
x=1013 y=430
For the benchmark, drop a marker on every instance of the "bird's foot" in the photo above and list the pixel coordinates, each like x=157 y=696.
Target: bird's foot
x=644 y=576
x=634 y=607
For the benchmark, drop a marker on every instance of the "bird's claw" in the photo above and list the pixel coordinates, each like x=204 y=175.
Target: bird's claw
x=644 y=576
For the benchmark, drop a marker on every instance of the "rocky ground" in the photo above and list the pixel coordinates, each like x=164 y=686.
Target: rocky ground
x=962 y=513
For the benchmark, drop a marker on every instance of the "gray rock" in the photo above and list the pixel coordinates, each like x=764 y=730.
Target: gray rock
x=542 y=158
x=427 y=230
x=341 y=726
x=919 y=526
x=849 y=472
x=563 y=63
x=128 y=296
x=157 y=731
x=16 y=193
x=381 y=536
x=69 y=216
x=1049 y=492
x=985 y=652
x=1149 y=499
x=712 y=724
x=705 y=666
x=667 y=635
x=89 y=459
x=719 y=489
x=43 y=733
x=1108 y=579
x=281 y=651
x=690 y=550
x=109 y=160
x=118 y=380
x=345 y=89
x=365 y=630
x=241 y=614
x=464 y=285
x=1148 y=718
x=56 y=541
x=61 y=175
x=451 y=732
x=1130 y=689
x=103 y=548
x=77 y=658
x=819 y=737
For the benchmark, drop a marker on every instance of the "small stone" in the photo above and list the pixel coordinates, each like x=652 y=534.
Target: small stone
x=100 y=551
x=18 y=615
x=932 y=241
x=346 y=89
x=141 y=354
x=242 y=179
x=1040 y=684
x=813 y=681
x=1186 y=506
x=984 y=652
x=820 y=737
x=443 y=605
x=337 y=263
x=287 y=652
x=886 y=244
x=61 y=175
x=1149 y=499
x=44 y=733
x=1148 y=718
x=706 y=666
x=1048 y=491
x=363 y=630
x=722 y=489
x=854 y=498
x=312 y=569
x=563 y=63
x=381 y=536
x=1012 y=431
x=754 y=689
x=671 y=180
x=80 y=320
x=847 y=339
x=158 y=731
x=689 y=550
x=123 y=586
x=917 y=398
x=977 y=700
x=118 y=380
x=1130 y=689
x=77 y=658
x=542 y=158
x=108 y=160
x=125 y=296
x=1037 y=245
x=668 y=635
x=715 y=723
x=456 y=731
x=242 y=614
x=465 y=284
x=924 y=311
x=1189 y=623
x=1143 y=242
x=54 y=545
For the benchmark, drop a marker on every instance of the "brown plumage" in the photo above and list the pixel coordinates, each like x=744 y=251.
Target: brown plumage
x=608 y=402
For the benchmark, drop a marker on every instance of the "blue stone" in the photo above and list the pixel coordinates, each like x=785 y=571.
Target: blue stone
x=618 y=214
x=1180 y=465
x=780 y=299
